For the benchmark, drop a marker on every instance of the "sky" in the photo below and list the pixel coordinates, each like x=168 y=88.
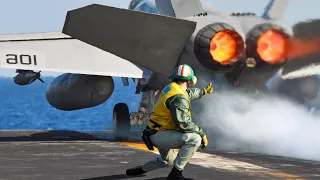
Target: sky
x=25 y=16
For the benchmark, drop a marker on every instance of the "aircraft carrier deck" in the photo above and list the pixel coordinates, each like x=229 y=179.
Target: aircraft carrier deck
x=72 y=155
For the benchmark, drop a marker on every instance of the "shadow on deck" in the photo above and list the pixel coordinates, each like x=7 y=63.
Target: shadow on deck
x=61 y=135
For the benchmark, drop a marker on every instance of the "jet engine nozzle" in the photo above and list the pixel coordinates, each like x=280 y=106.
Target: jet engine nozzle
x=268 y=44
x=218 y=46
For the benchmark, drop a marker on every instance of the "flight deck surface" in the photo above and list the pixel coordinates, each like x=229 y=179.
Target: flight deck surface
x=71 y=155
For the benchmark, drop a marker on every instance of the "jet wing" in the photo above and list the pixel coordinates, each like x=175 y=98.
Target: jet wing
x=152 y=41
x=57 y=52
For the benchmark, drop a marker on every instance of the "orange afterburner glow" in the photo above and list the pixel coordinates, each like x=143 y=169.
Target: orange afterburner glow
x=298 y=48
x=223 y=47
x=272 y=47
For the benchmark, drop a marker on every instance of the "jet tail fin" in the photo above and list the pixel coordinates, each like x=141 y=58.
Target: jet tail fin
x=179 y=8
x=275 y=9
x=148 y=40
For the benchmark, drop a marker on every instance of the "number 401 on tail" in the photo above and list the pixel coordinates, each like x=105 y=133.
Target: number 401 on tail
x=23 y=59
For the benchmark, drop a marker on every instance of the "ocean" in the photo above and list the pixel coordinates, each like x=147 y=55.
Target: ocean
x=26 y=108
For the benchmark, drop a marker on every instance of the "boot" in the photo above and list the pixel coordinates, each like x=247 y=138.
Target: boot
x=176 y=174
x=135 y=171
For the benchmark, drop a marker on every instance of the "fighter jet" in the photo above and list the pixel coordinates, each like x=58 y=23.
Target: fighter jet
x=145 y=42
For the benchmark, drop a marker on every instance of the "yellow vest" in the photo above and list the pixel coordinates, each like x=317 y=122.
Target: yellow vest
x=161 y=114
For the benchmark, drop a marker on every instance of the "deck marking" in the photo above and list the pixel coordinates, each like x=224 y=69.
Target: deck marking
x=213 y=161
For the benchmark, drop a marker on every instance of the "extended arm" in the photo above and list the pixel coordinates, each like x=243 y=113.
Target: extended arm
x=195 y=93
x=179 y=108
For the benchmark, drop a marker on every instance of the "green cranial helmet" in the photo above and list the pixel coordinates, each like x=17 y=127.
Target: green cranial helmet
x=183 y=72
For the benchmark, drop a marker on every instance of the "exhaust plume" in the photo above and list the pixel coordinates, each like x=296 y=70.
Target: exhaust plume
x=267 y=124
x=305 y=59
x=300 y=48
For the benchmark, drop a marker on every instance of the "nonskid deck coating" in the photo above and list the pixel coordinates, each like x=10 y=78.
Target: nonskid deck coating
x=71 y=155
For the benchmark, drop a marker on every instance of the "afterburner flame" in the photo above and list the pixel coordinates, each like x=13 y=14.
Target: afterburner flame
x=272 y=47
x=223 y=47
x=298 y=48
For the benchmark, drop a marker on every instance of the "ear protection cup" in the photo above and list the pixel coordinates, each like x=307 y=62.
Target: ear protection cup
x=193 y=81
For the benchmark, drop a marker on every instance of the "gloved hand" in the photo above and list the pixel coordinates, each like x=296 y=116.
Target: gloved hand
x=204 y=142
x=208 y=89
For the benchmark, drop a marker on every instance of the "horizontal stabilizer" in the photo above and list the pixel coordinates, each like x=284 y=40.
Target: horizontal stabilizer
x=302 y=67
x=152 y=41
